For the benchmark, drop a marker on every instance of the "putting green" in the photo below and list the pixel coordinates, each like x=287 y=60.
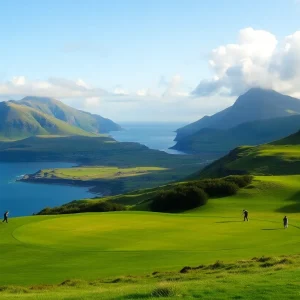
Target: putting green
x=145 y=232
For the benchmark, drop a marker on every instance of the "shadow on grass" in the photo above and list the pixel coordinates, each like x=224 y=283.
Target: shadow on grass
x=230 y=222
x=293 y=207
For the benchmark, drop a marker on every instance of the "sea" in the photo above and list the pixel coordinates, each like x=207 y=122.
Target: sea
x=23 y=199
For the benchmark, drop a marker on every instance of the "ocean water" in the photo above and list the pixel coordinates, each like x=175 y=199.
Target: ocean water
x=27 y=198
x=159 y=136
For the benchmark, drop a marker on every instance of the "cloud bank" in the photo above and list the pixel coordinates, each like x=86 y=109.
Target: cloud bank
x=257 y=59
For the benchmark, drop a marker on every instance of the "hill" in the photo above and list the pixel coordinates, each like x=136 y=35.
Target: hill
x=33 y=116
x=18 y=122
x=256 y=104
x=281 y=157
x=81 y=119
x=220 y=142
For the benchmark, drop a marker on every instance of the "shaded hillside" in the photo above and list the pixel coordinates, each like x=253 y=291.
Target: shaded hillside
x=281 y=157
x=18 y=122
x=220 y=141
x=81 y=119
x=256 y=104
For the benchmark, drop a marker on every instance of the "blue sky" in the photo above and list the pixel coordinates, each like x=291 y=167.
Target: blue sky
x=105 y=56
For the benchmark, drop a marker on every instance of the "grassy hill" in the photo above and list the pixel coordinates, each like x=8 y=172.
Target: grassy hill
x=18 y=122
x=220 y=141
x=44 y=116
x=281 y=157
x=74 y=117
x=125 y=248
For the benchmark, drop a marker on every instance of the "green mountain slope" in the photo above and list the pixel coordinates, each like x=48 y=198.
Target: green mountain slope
x=256 y=104
x=84 y=120
x=281 y=157
x=220 y=141
x=18 y=122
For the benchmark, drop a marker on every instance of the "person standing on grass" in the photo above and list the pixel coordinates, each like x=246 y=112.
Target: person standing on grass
x=5 y=217
x=245 y=213
x=285 y=222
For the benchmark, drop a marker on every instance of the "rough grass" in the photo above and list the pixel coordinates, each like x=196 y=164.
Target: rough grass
x=244 y=279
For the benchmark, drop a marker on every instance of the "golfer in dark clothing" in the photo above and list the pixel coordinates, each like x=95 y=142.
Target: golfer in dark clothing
x=5 y=217
x=285 y=222
x=245 y=212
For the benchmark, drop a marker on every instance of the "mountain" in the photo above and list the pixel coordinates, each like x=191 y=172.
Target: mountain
x=81 y=119
x=33 y=116
x=281 y=157
x=220 y=142
x=256 y=104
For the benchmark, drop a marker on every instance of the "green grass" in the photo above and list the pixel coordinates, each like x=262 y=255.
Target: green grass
x=88 y=173
x=256 y=278
x=278 y=158
x=50 y=249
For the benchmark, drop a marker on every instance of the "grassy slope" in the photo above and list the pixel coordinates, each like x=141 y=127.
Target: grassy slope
x=88 y=246
x=83 y=120
x=277 y=158
x=19 y=122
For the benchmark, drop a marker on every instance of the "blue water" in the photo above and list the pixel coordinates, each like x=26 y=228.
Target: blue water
x=25 y=198
x=159 y=136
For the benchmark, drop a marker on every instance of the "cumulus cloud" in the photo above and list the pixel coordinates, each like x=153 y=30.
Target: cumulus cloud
x=20 y=86
x=257 y=59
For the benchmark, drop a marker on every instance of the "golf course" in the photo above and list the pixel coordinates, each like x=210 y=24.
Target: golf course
x=91 y=250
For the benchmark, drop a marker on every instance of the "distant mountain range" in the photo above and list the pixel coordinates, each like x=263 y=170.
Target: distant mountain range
x=33 y=116
x=258 y=116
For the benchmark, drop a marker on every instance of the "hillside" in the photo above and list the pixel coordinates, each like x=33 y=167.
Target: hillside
x=281 y=157
x=33 y=116
x=81 y=119
x=220 y=142
x=256 y=104
x=18 y=122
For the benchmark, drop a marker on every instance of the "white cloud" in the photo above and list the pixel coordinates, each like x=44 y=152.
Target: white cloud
x=120 y=91
x=20 y=86
x=257 y=59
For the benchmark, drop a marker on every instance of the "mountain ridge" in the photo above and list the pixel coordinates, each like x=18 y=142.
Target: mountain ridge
x=255 y=104
x=32 y=116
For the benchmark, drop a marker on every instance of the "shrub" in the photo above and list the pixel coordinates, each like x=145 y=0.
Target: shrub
x=83 y=206
x=240 y=181
x=217 y=187
x=178 y=199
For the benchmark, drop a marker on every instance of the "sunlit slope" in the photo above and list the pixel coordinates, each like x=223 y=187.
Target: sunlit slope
x=53 y=248
x=18 y=122
x=74 y=117
x=278 y=158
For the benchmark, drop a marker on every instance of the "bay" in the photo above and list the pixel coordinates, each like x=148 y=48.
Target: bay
x=158 y=136
x=22 y=199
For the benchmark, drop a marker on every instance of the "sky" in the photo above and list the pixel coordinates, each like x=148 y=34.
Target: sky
x=148 y=60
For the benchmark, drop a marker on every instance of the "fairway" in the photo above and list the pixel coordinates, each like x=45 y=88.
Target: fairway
x=50 y=249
